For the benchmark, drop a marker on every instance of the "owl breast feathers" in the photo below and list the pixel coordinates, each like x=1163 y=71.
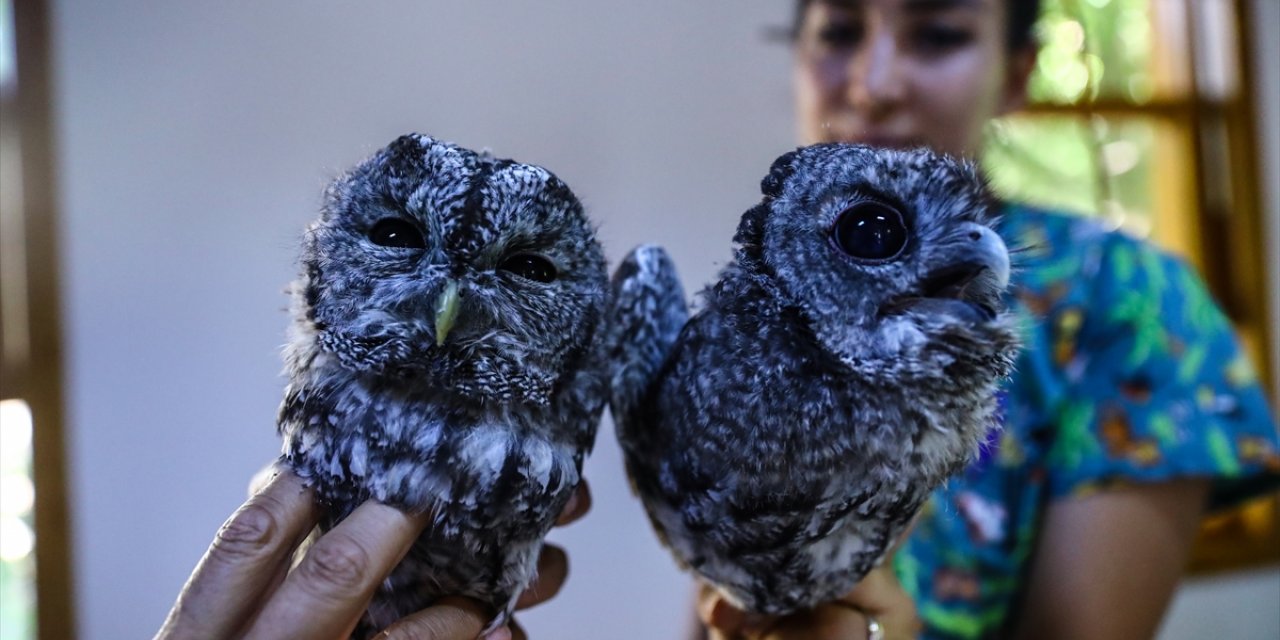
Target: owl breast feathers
x=444 y=356
x=841 y=368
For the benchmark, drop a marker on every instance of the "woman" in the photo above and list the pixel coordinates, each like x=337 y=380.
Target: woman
x=1128 y=405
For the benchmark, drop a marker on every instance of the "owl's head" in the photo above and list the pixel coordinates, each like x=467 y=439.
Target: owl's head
x=432 y=262
x=887 y=254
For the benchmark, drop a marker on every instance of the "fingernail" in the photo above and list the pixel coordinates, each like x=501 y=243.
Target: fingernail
x=501 y=633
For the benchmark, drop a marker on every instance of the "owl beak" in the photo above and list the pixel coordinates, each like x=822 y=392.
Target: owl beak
x=446 y=311
x=969 y=286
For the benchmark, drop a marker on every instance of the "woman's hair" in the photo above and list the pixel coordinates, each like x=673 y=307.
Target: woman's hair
x=1022 y=15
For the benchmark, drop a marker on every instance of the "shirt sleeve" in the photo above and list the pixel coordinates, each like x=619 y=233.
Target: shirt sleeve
x=1157 y=386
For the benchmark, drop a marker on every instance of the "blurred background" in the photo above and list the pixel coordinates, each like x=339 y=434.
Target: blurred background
x=159 y=161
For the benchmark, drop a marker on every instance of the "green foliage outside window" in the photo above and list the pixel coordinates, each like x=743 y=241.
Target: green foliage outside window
x=1090 y=50
x=1094 y=48
x=17 y=496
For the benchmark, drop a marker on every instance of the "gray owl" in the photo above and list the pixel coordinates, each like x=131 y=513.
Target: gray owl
x=444 y=356
x=842 y=367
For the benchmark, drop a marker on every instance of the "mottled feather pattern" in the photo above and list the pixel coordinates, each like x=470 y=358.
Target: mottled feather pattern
x=650 y=312
x=791 y=429
x=487 y=427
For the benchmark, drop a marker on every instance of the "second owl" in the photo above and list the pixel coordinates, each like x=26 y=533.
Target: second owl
x=843 y=366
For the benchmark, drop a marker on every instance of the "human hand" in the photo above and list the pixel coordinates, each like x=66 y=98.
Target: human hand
x=878 y=597
x=243 y=586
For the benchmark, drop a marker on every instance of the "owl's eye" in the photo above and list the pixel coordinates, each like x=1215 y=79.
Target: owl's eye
x=530 y=266
x=394 y=232
x=870 y=230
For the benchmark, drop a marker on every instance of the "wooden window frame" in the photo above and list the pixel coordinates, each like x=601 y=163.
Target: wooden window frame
x=35 y=373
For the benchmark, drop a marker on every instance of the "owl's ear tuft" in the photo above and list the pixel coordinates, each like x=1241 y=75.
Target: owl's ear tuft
x=409 y=144
x=751 y=226
x=557 y=191
x=398 y=160
x=771 y=185
x=411 y=140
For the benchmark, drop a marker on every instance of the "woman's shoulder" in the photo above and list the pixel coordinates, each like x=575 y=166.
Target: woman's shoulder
x=1049 y=231
x=1069 y=255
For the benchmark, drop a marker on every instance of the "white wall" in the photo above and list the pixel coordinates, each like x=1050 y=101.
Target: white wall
x=195 y=138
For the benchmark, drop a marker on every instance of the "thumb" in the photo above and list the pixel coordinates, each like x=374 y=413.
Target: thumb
x=448 y=619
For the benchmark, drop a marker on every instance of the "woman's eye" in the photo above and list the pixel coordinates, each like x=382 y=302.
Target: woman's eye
x=530 y=267
x=870 y=231
x=937 y=38
x=840 y=36
x=397 y=233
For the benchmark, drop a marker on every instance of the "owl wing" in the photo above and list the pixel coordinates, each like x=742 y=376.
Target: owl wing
x=647 y=315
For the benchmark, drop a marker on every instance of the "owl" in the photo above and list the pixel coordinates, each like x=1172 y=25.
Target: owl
x=446 y=355
x=842 y=367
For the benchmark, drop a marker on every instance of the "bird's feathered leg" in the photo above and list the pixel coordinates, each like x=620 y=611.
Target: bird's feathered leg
x=647 y=315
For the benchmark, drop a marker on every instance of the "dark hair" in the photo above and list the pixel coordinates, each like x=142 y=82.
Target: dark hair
x=1022 y=16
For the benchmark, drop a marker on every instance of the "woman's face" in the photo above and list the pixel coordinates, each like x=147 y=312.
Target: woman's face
x=903 y=73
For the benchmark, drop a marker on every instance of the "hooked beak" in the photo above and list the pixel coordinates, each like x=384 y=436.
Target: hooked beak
x=969 y=286
x=446 y=311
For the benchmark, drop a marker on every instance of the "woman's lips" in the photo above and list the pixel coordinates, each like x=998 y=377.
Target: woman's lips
x=888 y=142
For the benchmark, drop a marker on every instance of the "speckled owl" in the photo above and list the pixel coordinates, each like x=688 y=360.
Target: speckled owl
x=444 y=356
x=841 y=368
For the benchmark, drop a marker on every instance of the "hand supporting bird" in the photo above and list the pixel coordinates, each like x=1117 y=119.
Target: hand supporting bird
x=244 y=587
x=877 y=609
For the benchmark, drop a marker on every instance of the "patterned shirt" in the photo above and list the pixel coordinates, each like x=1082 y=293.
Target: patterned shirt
x=1130 y=373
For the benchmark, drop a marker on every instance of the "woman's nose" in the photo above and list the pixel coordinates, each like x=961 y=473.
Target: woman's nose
x=877 y=84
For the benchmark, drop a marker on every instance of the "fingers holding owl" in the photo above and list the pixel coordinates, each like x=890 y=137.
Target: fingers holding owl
x=878 y=601
x=249 y=584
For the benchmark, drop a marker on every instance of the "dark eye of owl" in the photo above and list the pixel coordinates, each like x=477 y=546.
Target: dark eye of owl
x=870 y=230
x=394 y=232
x=530 y=267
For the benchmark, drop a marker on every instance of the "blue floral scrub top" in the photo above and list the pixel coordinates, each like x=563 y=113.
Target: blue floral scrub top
x=1130 y=373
